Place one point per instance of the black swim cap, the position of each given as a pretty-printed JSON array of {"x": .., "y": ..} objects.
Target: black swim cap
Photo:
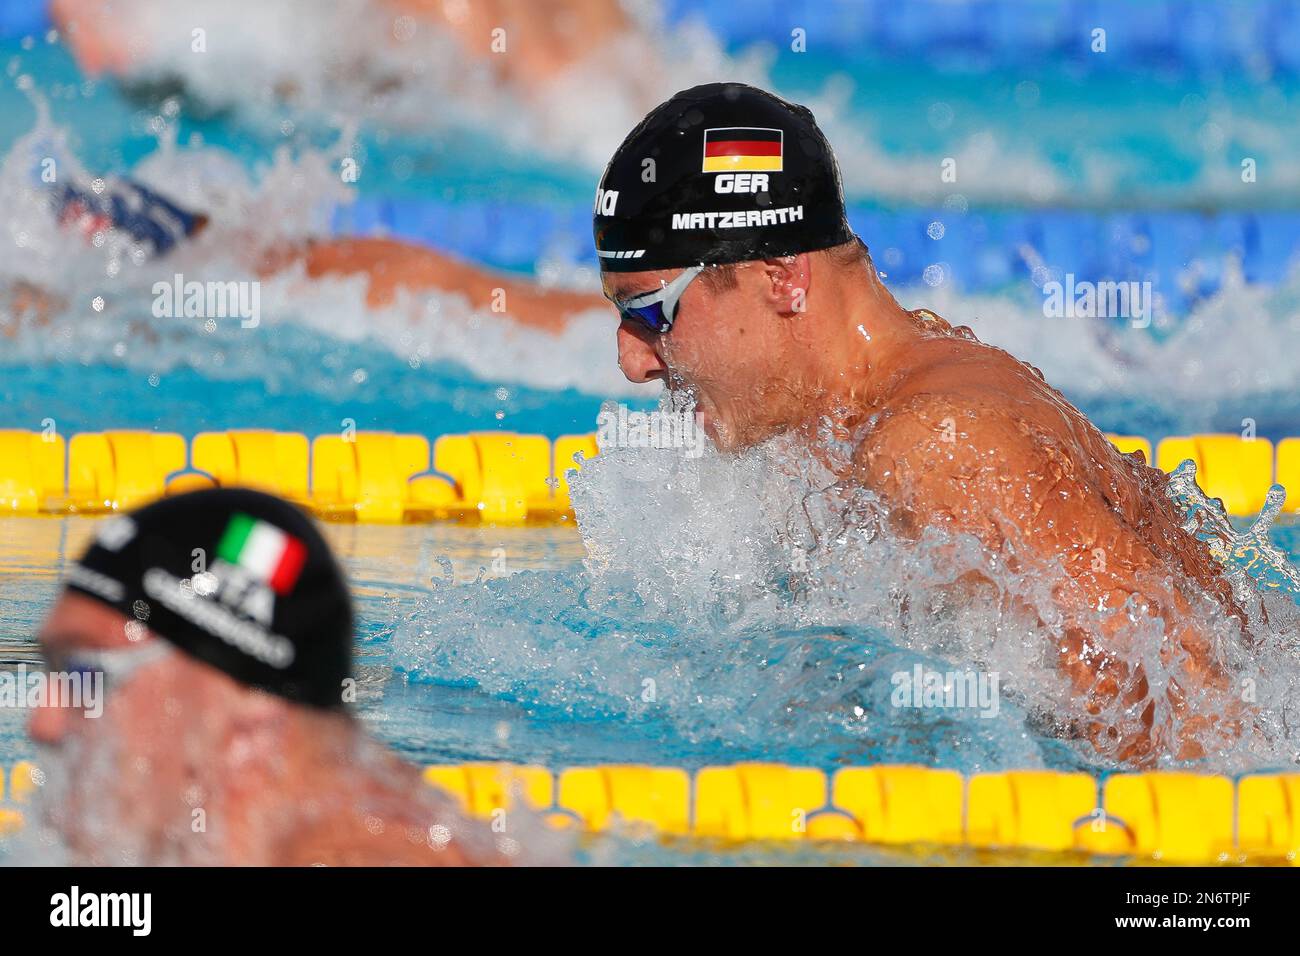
[
  {"x": 720, "y": 173},
  {"x": 238, "y": 579}
]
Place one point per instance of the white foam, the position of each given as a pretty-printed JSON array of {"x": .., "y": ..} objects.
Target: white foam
[
  {"x": 1229, "y": 340},
  {"x": 351, "y": 60},
  {"x": 289, "y": 198},
  {"x": 767, "y": 606}
]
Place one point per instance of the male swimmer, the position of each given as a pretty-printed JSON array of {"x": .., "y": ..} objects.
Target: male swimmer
[
  {"x": 544, "y": 41},
  {"x": 738, "y": 281},
  {"x": 158, "y": 226},
  {"x": 222, "y": 626}
]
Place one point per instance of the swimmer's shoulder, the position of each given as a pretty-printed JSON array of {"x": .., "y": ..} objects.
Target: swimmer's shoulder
[
  {"x": 955, "y": 415},
  {"x": 940, "y": 344},
  {"x": 954, "y": 384},
  {"x": 960, "y": 372}
]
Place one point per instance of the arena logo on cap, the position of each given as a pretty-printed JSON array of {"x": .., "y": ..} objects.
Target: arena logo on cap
[
  {"x": 743, "y": 148},
  {"x": 264, "y": 551}
]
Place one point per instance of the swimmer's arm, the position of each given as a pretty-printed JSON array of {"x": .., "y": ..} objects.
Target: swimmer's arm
[
  {"x": 391, "y": 265},
  {"x": 985, "y": 477},
  {"x": 27, "y": 306}
]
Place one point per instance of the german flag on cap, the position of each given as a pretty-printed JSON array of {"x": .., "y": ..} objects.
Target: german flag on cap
[{"x": 742, "y": 149}]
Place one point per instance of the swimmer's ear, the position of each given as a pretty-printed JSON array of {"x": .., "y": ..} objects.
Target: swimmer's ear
[{"x": 789, "y": 279}]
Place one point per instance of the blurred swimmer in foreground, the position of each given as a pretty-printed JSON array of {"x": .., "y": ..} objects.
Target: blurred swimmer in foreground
[
  {"x": 158, "y": 226},
  {"x": 739, "y": 283},
  {"x": 218, "y": 628}
]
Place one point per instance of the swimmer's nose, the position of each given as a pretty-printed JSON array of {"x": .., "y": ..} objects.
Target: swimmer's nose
[
  {"x": 637, "y": 355},
  {"x": 48, "y": 724}
]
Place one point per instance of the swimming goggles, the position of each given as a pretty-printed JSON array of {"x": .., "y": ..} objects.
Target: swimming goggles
[
  {"x": 657, "y": 310},
  {"x": 117, "y": 665}
]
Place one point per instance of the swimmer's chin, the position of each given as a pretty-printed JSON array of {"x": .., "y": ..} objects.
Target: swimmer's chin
[
  {"x": 724, "y": 437},
  {"x": 728, "y": 436},
  {"x": 720, "y": 435},
  {"x": 708, "y": 424}
]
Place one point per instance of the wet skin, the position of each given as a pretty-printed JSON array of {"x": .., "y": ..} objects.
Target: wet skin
[
  {"x": 278, "y": 784},
  {"x": 392, "y": 266},
  {"x": 957, "y": 434}
]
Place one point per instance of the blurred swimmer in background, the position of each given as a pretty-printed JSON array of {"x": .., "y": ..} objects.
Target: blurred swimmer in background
[
  {"x": 157, "y": 227},
  {"x": 351, "y": 60},
  {"x": 352, "y": 53}
]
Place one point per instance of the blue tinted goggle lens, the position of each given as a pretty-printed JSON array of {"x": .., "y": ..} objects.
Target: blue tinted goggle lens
[
  {"x": 656, "y": 310},
  {"x": 651, "y": 316}
]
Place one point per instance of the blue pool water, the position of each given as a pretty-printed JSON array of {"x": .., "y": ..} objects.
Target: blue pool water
[
  {"x": 530, "y": 663},
  {"x": 1053, "y": 175},
  {"x": 1127, "y": 167}
]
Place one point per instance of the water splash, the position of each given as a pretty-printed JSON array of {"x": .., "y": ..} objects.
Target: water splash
[
  {"x": 1151, "y": 381},
  {"x": 760, "y": 606},
  {"x": 1256, "y": 568},
  {"x": 1164, "y": 144},
  {"x": 1146, "y": 381},
  {"x": 357, "y": 59},
  {"x": 288, "y": 199}
]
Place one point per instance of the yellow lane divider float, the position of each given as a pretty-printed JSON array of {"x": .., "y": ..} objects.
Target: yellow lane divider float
[
  {"x": 1171, "y": 817},
  {"x": 494, "y": 477},
  {"x": 1168, "y": 816},
  {"x": 21, "y": 786}
]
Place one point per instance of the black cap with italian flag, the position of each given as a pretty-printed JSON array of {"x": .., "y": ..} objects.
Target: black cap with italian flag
[{"x": 239, "y": 579}]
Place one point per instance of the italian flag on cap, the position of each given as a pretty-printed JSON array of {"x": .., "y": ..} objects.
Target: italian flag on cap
[{"x": 263, "y": 550}]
